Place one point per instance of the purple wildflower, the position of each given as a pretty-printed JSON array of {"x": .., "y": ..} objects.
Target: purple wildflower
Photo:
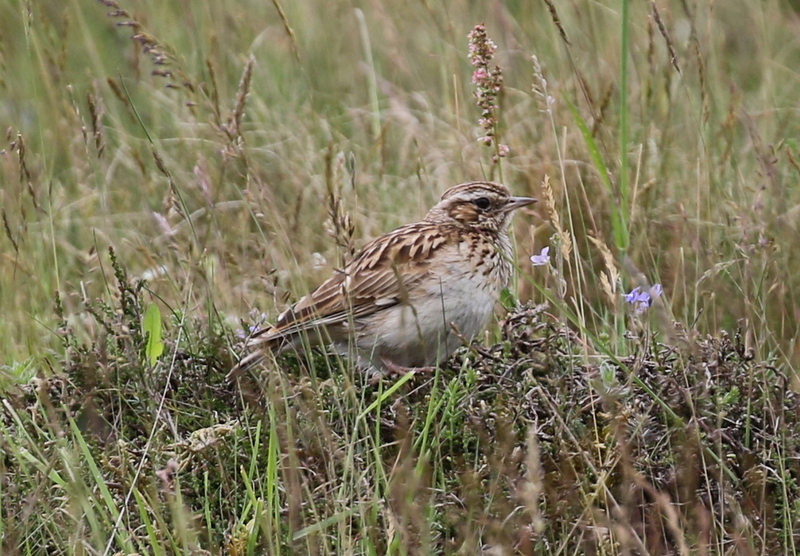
[
  {"x": 656, "y": 291},
  {"x": 542, "y": 258},
  {"x": 250, "y": 329},
  {"x": 640, "y": 299}
]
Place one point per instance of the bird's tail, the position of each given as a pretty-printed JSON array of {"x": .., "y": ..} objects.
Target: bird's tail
[
  {"x": 257, "y": 347},
  {"x": 246, "y": 363}
]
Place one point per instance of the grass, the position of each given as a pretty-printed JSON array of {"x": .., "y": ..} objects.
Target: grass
[{"x": 171, "y": 171}]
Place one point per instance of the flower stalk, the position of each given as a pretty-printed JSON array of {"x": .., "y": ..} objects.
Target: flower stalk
[{"x": 488, "y": 82}]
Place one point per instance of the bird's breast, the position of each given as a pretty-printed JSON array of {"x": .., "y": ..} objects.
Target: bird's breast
[{"x": 460, "y": 290}]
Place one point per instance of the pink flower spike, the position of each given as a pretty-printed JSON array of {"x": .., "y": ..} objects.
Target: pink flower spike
[{"x": 479, "y": 75}]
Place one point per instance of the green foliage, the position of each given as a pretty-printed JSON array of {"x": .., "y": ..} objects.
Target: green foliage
[{"x": 152, "y": 329}]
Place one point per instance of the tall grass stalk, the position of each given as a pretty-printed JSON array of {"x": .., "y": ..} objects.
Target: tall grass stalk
[{"x": 623, "y": 198}]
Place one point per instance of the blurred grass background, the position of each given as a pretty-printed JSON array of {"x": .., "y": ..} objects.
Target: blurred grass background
[
  {"x": 210, "y": 142},
  {"x": 711, "y": 157}
]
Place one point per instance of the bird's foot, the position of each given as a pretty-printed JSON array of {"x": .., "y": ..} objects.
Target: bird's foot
[{"x": 393, "y": 370}]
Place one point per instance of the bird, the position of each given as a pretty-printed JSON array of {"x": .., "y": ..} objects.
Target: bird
[{"x": 409, "y": 298}]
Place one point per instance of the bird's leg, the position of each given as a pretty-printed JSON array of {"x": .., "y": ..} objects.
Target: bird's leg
[{"x": 392, "y": 369}]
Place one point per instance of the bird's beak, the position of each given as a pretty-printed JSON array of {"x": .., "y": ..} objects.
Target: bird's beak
[{"x": 515, "y": 203}]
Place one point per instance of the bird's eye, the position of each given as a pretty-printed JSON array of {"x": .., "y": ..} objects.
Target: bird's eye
[{"x": 482, "y": 203}]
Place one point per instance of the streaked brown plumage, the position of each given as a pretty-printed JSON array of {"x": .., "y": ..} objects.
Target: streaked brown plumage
[{"x": 392, "y": 306}]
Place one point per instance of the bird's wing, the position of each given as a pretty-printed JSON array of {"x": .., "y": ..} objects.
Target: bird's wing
[{"x": 378, "y": 277}]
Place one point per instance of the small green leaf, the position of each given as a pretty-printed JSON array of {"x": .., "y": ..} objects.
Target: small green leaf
[
  {"x": 152, "y": 328},
  {"x": 731, "y": 397},
  {"x": 507, "y": 299}
]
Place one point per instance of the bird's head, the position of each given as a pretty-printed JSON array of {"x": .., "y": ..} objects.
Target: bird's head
[{"x": 478, "y": 204}]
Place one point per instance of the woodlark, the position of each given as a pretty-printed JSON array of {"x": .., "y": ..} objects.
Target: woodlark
[{"x": 399, "y": 302}]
